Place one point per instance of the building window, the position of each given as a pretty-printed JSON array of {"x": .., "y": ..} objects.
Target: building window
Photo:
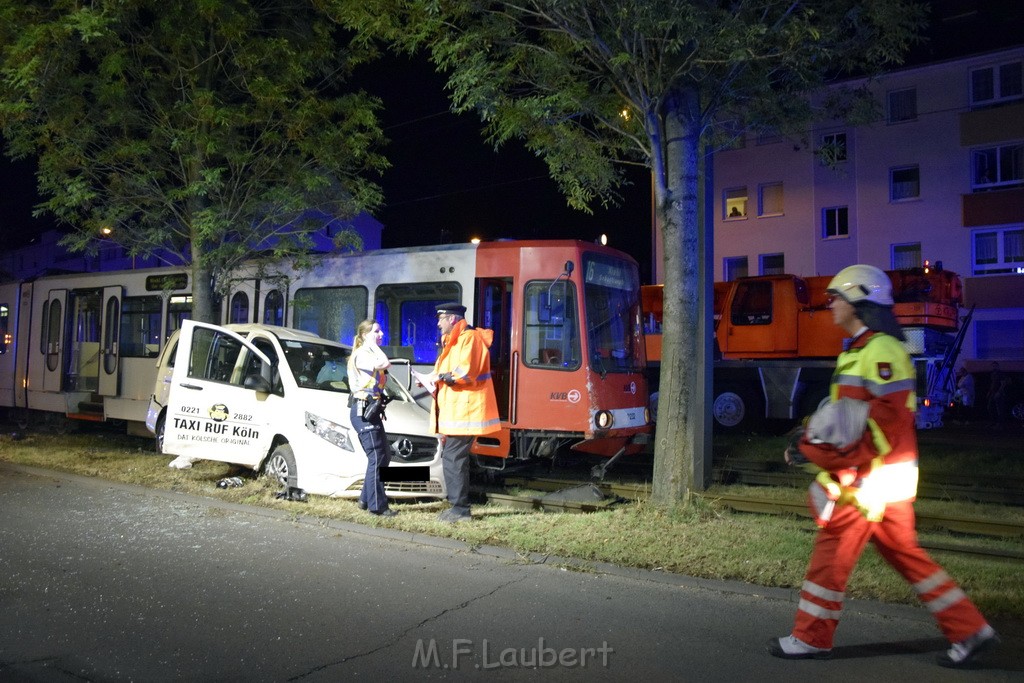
[
  {"x": 773, "y": 264},
  {"x": 999, "y": 251},
  {"x": 833, "y": 148},
  {"x": 996, "y": 84},
  {"x": 906, "y": 256},
  {"x": 735, "y": 267},
  {"x": 904, "y": 183},
  {"x": 903, "y": 105},
  {"x": 769, "y": 199},
  {"x": 735, "y": 203},
  {"x": 835, "y": 222},
  {"x": 998, "y": 166}
]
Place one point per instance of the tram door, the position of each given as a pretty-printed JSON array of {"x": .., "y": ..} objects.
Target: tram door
[
  {"x": 110, "y": 348},
  {"x": 494, "y": 312},
  {"x": 53, "y": 338},
  {"x": 83, "y": 335}
]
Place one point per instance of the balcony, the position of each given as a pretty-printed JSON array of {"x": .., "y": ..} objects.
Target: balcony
[
  {"x": 987, "y": 126},
  {"x": 997, "y": 207}
]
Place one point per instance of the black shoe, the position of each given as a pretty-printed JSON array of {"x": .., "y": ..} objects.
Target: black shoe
[
  {"x": 362, "y": 505},
  {"x": 451, "y": 516},
  {"x": 386, "y": 512},
  {"x": 798, "y": 649}
]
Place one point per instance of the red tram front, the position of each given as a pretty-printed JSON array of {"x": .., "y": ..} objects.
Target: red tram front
[{"x": 568, "y": 357}]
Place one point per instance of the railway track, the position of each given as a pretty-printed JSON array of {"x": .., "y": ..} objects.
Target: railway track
[
  {"x": 590, "y": 497},
  {"x": 978, "y": 489}
]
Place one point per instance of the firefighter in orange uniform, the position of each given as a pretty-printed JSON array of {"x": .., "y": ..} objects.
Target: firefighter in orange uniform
[
  {"x": 464, "y": 402},
  {"x": 867, "y": 480}
]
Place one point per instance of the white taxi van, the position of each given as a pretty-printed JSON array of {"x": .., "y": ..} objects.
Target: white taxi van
[{"x": 275, "y": 399}]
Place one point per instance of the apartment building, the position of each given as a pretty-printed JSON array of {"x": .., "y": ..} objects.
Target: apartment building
[{"x": 939, "y": 178}]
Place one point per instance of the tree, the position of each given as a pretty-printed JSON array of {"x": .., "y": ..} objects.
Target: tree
[
  {"x": 206, "y": 127},
  {"x": 591, "y": 85}
]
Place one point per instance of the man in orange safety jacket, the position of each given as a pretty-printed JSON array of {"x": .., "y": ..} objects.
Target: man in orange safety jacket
[
  {"x": 867, "y": 480},
  {"x": 464, "y": 402}
]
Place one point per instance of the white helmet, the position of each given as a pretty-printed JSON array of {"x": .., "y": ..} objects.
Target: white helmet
[{"x": 862, "y": 283}]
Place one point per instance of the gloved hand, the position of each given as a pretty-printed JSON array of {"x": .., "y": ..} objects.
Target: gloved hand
[{"x": 792, "y": 453}]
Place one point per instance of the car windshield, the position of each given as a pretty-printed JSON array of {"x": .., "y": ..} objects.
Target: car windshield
[{"x": 325, "y": 367}]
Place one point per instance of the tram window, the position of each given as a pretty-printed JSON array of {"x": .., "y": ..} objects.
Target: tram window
[
  {"x": 140, "y": 326},
  {"x": 239, "y": 308},
  {"x": 612, "y": 302},
  {"x": 330, "y": 312},
  {"x": 53, "y": 334},
  {"x": 5, "y": 337},
  {"x": 110, "y": 341},
  {"x": 44, "y": 333},
  {"x": 273, "y": 308},
  {"x": 179, "y": 308},
  {"x": 407, "y": 314},
  {"x": 551, "y": 336}
]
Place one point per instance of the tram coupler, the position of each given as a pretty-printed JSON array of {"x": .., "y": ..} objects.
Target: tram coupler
[{"x": 599, "y": 471}]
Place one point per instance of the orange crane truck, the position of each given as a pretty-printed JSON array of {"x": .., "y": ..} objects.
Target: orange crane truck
[{"x": 776, "y": 345}]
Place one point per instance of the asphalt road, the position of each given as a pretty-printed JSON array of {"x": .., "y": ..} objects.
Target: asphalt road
[{"x": 110, "y": 582}]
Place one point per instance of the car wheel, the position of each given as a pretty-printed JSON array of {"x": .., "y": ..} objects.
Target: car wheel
[
  {"x": 280, "y": 466},
  {"x": 735, "y": 410},
  {"x": 161, "y": 430}
]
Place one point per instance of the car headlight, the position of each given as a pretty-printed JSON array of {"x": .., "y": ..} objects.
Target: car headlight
[{"x": 331, "y": 432}]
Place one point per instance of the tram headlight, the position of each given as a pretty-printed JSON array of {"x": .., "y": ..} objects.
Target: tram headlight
[{"x": 603, "y": 419}]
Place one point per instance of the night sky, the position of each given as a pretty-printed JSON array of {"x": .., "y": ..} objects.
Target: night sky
[{"x": 448, "y": 183}]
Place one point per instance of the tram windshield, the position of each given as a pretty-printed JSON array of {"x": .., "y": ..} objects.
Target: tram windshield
[{"x": 612, "y": 303}]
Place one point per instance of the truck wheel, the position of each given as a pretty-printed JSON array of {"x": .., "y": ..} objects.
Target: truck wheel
[
  {"x": 280, "y": 466},
  {"x": 735, "y": 410},
  {"x": 161, "y": 428}
]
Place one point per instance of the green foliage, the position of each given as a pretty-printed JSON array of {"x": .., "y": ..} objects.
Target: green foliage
[{"x": 206, "y": 127}]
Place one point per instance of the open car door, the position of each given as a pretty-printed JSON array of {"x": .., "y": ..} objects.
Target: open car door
[{"x": 217, "y": 404}]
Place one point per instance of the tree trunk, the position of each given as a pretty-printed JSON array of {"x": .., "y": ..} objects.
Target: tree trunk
[
  {"x": 680, "y": 407},
  {"x": 203, "y": 299}
]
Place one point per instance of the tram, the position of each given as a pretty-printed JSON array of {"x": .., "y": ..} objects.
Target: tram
[{"x": 568, "y": 355}]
